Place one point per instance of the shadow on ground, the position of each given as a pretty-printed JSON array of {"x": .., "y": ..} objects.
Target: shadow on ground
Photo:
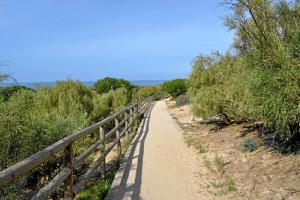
[{"x": 127, "y": 182}]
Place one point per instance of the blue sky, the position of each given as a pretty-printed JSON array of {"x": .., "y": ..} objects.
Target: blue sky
[{"x": 48, "y": 40}]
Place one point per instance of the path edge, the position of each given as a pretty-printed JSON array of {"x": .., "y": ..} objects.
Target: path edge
[{"x": 116, "y": 184}]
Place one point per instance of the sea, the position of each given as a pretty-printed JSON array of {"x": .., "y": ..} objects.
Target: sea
[{"x": 87, "y": 83}]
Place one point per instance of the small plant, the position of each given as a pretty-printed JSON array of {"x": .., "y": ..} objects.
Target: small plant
[
  {"x": 196, "y": 144},
  {"x": 219, "y": 164},
  {"x": 226, "y": 186},
  {"x": 182, "y": 100},
  {"x": 207, "y": 163},
  {"x": 229, "y": 184},
  {"x": 268, "y": 177},
  {"x": 249, "y": 144},
  {"x": 97, "y": 190}
]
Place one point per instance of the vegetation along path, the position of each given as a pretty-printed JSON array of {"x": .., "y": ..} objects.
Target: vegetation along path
[{"x": 159, "y": 164}]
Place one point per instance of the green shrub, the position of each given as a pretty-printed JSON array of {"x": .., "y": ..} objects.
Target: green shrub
[
  {"x": 14, "y": 120},
  {"x": 217, "y": 87},
  {"x": 65, "y": 97},
  {"x": 14, "y": 190},
  {"x": 7, "y": 92},
  {"x": 145, "y": 91},
  {"x": 43, "y": 117},
  {"x": 175, "y": 87},
  {"x": 182, "y": 100},
  {"x": 249, "y": 144},
  {"x": 160, "y": 95},
  {"x": 102, "y": 107},
  {"x": 118, "y": 99},
  {"x": 111, "y": 84},
  {"x": 25, "y": 121},
  {"x": 268, "y": 37},
  {"x": 108, "y": 83}
]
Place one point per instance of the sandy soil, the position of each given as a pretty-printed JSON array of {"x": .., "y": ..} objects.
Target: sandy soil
[
  {"x": 171, "y": 169},
  {"x": 160, "y": 165},
  {"x": 232, "y": 174}
]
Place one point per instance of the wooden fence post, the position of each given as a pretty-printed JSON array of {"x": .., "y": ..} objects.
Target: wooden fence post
[
  {"x": 69, "y": 163},
  {"x": 131, "y": 120},
  {"x": 119, "y": 150},
  {"x": 136, "y": 116},
  {"x": 102, "y": 151},
  {"x": 126, "y": 125}
]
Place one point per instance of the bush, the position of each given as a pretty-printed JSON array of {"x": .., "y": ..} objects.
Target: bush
[
  {"x": 160, "y": 95},
  {"x": 108, "y": 83},
  {"x": 175, "y": 87},
  {"x": 25, "y": 121},
  {"x": 118, "y": 99},
  {"x": 217, "y": 87},
  {"x": 65, "y": 97},
  {"x": 268, "y": 37},
  {"x": 33, "y": 120},
  {"x": 111, "y": 84},
  {"x": 182, "y": 100},
  {"x": 14, "y": 122},
  {"x": 145, "y": 91},
  {"x": 102, "y": 107},
  {"x": 249, "y": 144},
  {"x": 7, "y": 92}
]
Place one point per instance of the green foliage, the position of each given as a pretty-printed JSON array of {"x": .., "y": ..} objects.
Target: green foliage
[
  {"x": 107, "y": 84},
  {"x": 7, "y": 92},
  {"x": 182, "y": 100},
  {"x": 97, "y": 190},
  {"x": 160, "y": 95},
  {"x": 111, "y": 84},
  {"x": 175, "y": 87},
  {"x": 109, "y": 103},
  {"x": 249, "y": 144},
  {"x": 219, "y": 164},
  {"x": 145, "y": 91},
  {"x": 48, "y": 114},
  {"x": 102, "y": 107},
  {"x": 25, "y": 121},
  {"x": 267, "y": 36},
  {"x": 261, "y": 81},
  {"x": 196, "y": 144},
  {"x": 13, "y": 191},
  {"x": 217, "y": 87},
  {"x": 44, "y": 116},
  {"x": 118, "y": 99},
  {"x": 65, "y": 97},
  {"x": 14, "y": 120}
]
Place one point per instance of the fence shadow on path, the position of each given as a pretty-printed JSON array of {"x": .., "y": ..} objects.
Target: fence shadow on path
[{"x": 127, "y": 182}]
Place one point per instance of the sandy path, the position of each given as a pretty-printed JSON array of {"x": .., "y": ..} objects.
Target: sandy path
[{"x": 159, "y": 165}]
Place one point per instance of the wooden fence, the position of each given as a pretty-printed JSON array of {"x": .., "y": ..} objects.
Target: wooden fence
[{"x": 124, "y": 120}]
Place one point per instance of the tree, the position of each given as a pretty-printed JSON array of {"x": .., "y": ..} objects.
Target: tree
[
  {"x": 5, "y": 76},
  {"x": 175, "y": 87},
  {"x": 7, "y": 92},
  {"x": 268, "y": 37},
  {"x": 105, "y": 85},
  {"x": 217, "y": 87}
]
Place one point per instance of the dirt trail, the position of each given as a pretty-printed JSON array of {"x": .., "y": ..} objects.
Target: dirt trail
[{"x": 159, "y": 165}]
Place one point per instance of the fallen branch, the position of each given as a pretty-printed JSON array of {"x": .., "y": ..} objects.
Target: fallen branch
[
  {"x": 248, "y": 128},
  {"x": 213, "y": 121}
]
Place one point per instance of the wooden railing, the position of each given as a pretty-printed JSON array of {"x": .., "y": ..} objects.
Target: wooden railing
[{"x": 66, "y": 175}]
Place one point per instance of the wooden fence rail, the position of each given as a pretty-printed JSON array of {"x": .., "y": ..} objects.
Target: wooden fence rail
[{"x": 66, "y": 174}]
